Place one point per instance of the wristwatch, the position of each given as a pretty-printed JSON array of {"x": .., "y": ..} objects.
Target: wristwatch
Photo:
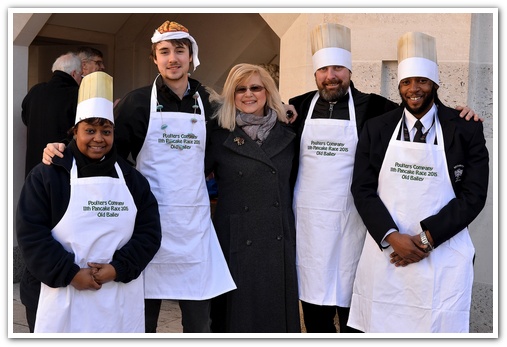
[{"x": 424, "y": 241}]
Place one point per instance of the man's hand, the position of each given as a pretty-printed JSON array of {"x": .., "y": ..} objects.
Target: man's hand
[
  {"x": 51, "y": 150},
  {"x": 468, "y": 113},
  {"x": 407, "y": 249},
  {"x": 290, "y": 113}
]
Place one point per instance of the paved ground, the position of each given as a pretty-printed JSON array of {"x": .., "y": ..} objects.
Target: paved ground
[
  {"x": 170, "y": 315},
  {"x": 169, "y": 319}
]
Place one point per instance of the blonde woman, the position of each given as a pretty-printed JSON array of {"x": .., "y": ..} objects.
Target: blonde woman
[{"x": 250, "y": 150}]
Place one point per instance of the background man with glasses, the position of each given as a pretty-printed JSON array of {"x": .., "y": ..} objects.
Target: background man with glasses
[{"x": 91, "y": 60}]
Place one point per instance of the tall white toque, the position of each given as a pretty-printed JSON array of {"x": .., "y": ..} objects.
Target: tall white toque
[
  {"x": 417, "y": 56},
  {"x": 172, "y": 31},
  {"x": 331, "y": 46},
  {"x": 95, "y": 98}
]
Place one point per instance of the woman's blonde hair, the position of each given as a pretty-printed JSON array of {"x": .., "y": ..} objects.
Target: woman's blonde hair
[{"x": 226, "y": 111}]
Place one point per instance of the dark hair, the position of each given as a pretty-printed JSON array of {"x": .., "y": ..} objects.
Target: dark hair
[
  {"x": 92, "y": 121},
  {"x": 86, "y": 52},
  {"x": 176, "y": 43}
]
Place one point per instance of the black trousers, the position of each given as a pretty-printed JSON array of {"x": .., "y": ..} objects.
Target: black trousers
[
  {"x": 195, "y": 315},
  {"x": 320, "y": 319},
  {"x": 30, "y": 318}
]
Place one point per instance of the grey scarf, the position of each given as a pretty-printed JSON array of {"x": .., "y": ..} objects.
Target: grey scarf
[{"x": 256, "y": 127}]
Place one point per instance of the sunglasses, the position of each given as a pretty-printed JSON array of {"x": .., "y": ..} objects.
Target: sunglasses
[{"x": 253, "y": 89}]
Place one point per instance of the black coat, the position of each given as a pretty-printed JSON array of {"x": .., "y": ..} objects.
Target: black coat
[
  {"x": 42, "y": 204},
  {"x": 467, "y": 163},
  {"x": 48, "y": 111},
  {"x": 255, "y": 226}
]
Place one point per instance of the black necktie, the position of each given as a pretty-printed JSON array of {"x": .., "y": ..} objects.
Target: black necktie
[{"x": 417, "y": 137}]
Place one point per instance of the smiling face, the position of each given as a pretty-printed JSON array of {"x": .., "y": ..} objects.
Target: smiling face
[
  {"x": 418, "y": 94},
  {"x": 172, "y": 60},
  {"x": 248, "y": 101},
  {"x": 332, "y": 81},
  {"x": 94, "y": 140}
]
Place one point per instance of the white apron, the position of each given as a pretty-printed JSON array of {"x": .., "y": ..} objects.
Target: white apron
[
  {"x": 99, "y": 220},
  {"x": 190, "y": 264},
  {"x": 330, "y": 233},
  {"x": 434, "y": 294}
]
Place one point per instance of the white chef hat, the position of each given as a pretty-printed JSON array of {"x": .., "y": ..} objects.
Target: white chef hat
[
  {"x": 331, "y": 46},
  {"x": 95, "y": 98},
  {"x": 172, "y": 31},
  {"x": 417, "y": 56}
]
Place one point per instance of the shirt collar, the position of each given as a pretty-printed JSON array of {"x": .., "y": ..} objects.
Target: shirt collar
[
  {"x": 426, "y": 120},
  {"x": 188, "y": 90}
]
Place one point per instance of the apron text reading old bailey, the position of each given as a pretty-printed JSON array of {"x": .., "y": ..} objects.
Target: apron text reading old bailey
[
  {"x": 109, "y": 208},
  {"x": 413, "y": 172}
]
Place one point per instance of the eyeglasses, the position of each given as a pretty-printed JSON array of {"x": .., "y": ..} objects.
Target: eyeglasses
[
  {"x": 253, "y": 89},
  {"x": 98, "y": 62}
]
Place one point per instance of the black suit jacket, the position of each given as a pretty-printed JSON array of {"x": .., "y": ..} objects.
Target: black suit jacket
[{"x": 467, "y": 163}]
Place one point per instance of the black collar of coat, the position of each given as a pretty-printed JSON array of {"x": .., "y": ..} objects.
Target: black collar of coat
[{"x": 279, "y": 138}]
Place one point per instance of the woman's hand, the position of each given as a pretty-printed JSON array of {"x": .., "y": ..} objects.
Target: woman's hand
[
  {"x": 102, "y": 273},
  {"x": 83, "y": 280}
]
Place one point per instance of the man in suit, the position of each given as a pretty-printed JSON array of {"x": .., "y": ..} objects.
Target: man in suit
[
  {"x": 91, "y": 59},
  {"x": 417, "y": 190}
]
